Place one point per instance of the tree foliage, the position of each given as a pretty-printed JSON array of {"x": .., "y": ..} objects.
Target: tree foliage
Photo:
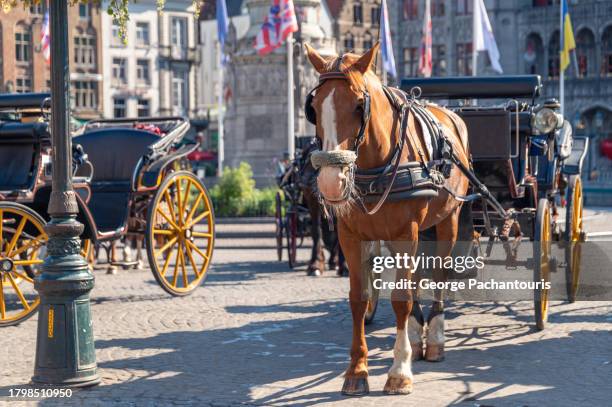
[{"x": 117, "y": 9}]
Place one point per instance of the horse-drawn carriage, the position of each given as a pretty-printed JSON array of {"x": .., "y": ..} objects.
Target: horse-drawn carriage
[
  {"x": 526, "y": 163},
  {"x": 129, "y": 181}
]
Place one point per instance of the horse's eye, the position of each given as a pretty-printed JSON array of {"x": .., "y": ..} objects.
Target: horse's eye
[{"x": 359, "y": 108}]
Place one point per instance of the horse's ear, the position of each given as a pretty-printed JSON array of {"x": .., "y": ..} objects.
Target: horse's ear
[
  {"x": 367, "y": 60},
  {"x": 317, "y": 61}
]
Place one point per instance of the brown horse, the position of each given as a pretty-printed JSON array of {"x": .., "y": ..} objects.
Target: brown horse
[{"x": 347, "y": 89}]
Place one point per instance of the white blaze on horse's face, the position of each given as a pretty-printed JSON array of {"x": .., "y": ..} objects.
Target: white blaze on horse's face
[
  {"x": 331, "y": 179},
  {"x": 329, "y": 123}
]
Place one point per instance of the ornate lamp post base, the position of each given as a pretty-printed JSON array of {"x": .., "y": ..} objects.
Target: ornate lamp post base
[{"x": 65, "y": 353}]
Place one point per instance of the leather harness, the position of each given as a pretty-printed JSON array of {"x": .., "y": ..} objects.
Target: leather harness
[{"x": 398, "y": 181}]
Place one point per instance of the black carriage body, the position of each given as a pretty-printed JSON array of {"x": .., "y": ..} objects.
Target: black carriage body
[{"x": 515, "y": 162}]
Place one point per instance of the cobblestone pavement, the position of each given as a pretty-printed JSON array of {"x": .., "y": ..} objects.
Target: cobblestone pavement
[{"x": 259, "y": 334}]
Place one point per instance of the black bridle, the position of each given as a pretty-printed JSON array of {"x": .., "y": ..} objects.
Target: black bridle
[
  {"x": 402, "y": 107},
  {"x": 366, "y": 113}
]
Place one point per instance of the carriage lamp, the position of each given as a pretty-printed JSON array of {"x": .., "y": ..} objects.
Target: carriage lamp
[
  {"x": 6, "y": 265},
  {"x": 546, "y": 120}
]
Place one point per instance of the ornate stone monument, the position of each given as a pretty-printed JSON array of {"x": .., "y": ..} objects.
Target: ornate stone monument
[{"x": 256, "y": 120}]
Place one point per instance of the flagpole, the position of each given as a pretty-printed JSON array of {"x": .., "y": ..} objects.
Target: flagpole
[
  {"x": 474, "y": 28},
  {"x": 290, "y": 99},
  {"x": 221, "y": 144},
  {"x": 561, "y": 71}
]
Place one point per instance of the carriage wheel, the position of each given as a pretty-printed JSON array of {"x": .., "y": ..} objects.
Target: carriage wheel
[
  {"x": 22, "y": 242},
  {"x": 278, "y": 217},
  {"x": 180, "y": 233},
  {"x": 574, "y": 236},
  {"x": 291, "y": 227},
  {"x": 542, "y": 248}
]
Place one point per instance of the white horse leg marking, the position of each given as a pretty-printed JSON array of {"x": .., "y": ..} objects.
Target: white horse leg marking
[
  {"x": 435, "y": 330},
  {"x": 328, "y": 121},
  {"x": 402, "y": 355}
]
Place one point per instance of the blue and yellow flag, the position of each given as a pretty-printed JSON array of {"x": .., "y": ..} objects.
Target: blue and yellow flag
[{"x": 567, "y": 37}]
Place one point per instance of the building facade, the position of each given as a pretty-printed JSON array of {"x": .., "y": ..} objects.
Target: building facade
[
  {"x": 23, "y": 67},
  {"x": 153, "y": 70},
  {"x": 178, "y": 59},
  {"x": 527, "y": 34},
  {"x": 355, "y": 24},
  {"x": 256, "y": 121}
]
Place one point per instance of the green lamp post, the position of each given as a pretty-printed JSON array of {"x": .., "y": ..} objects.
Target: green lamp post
[{"x": 65, "y": 352}]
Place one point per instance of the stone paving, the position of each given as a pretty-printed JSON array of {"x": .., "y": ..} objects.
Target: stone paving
[{"x": 257, "y": 333}]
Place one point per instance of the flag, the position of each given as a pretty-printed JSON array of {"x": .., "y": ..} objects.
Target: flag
[
  {"x": 484, "y": 40},
  {"x": 425, "y": 54},
  {"x": 279, "y": 24},
  {"x": 45, "y": 38},
  {"x": 567, "y": 37},
  {"x": 387, "y": 43},
  {"x": 222, "y": 21}
]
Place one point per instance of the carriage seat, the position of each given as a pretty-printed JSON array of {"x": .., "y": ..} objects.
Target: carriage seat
[
  {"x": 114, "y": 154},
  {"x": 19, "y": 151}
]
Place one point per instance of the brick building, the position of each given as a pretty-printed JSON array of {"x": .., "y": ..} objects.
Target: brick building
[
  {"x": 23, "y": 67},
  {"x": 355, "y": 23}
]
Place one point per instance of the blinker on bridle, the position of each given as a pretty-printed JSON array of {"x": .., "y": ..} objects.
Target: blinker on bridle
[{"x": 337, "y": 73}]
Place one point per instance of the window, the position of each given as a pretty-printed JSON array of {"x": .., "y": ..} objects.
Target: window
[
  {"x": 84, "y": 11},
  {"x": 545, "y": 3},
  {"x": 144, "y": 109},
  {"x": 606, "y": 52},
  {"x": 437, "y": 8},
  {"x": 553, "y": 56},
  {"x": 585, "y": 52},
  {"x": 534, "y": 55},
  {"x": 37, "y": 9},
  {"x": 142, "y": 34},
  {"x": 119, "y": 70},
  {"x": 142, "y": 71},
  {"x": 23, "y": 84},
  {"x": 357, "y": 14},
  {"x": 410, "y": 9},
  {"x": 85, "y": 94},
  {"x": 411, "y": 61},
  {"x": 116, "y": 40},
  {"x": 85, "y": 49},
  {"x": 349, "y": 42},
  {"x": 179, "y": 32},
  {"x": 119, "y": 107},
  {"x": 464, "y": 7},
  {"x": 375, "y": 15},
  {"x": 464, "y": 59},
  {"x": 22, "y": 44},
  {"x": 439, "y": 60},
  {"x": 179, "y": 91},
  {"x": 367, "y": 42}
]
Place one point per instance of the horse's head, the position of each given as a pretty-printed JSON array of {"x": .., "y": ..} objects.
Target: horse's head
[{"x": 340, "y": 107}]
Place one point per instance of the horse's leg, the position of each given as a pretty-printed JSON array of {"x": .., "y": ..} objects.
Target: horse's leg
[
  {"x": 356, "y": 376},
  {"x": 446, "y": 236},
  {"x": 316, "y": 266},
  {"x": 399, "y": 380},
  {"x": 416, "y": 322}
]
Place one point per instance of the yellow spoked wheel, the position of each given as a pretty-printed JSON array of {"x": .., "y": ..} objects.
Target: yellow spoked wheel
[
  {"x": 574, "y": 236},
  {"x": 22, "y": 247},
  {"x": 180, "y": 233},
  {"x": 542, "y": 249}
]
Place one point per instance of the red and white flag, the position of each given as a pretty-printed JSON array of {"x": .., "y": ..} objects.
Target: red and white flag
[
  {"x": 425, "y": 54},
  {"x": 279, "y": 24},
  {"x": 45, "y": 38}
]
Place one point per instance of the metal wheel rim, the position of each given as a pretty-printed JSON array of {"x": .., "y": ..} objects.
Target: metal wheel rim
[
  {"x": 18, "y": 282},
  {"x": 175, "y": 216}
]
